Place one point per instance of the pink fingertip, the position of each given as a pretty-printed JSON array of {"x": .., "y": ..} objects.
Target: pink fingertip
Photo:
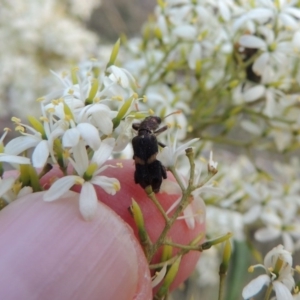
[{"x": 49, "y": 252}]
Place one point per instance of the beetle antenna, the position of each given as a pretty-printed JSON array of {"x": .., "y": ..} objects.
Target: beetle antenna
[{"x": 173, "y": 113}]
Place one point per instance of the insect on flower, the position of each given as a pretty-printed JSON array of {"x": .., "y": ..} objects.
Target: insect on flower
[{"x": 148, "y": 170}]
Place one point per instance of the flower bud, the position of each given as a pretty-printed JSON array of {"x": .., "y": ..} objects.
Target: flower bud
[
  {"x": 114, "y": 54},
  {"x": 169, "y": 278}
]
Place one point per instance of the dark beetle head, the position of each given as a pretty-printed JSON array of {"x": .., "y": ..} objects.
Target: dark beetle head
[{"x": 150, "y": 123}]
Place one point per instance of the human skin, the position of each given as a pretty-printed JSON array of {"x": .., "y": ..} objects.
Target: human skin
[
  {"x": 49, "y": 252},
  {"x": 154, "y": 221},
  {"x": 57, "y": 228}
]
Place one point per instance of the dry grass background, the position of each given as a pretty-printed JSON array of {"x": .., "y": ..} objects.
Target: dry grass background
[{"x": 115, "y": 17}]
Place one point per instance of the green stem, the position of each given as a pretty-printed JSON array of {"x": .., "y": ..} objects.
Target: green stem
[
  {"x": 190, "y": 154},
  {"x": 193, "y": 244},
  {"x": 184, "y": 247},
  {"x": 178, "y": 179},
  {"x": 152, "y": 196},
  {"x": 268, "y": 292},
  {"x": 182, "y": 205},
  {"x": 221, "y": 286}
]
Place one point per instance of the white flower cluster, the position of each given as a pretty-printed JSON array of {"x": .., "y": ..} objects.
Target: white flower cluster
[
  {"x": 260, "y": 200},
  {"x": 204, "y": 57},
  {"x": 39, "y": 36},
  {"x": 83, "y": 123},
  {"x": 80, "y": 125}
]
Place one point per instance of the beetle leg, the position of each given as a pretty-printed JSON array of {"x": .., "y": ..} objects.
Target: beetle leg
[
  {"x": 160, "y": 130},
  {"x": 163, "y": 171},
  {"x": 161, "y": 144},
  {"x": 136, "y": 126}
]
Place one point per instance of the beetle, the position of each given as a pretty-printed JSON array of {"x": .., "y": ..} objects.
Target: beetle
[{"x": 148, "y": 170}]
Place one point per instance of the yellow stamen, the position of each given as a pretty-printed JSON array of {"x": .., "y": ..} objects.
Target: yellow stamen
[
  {"x": 116, "y": 186},
  {"x": 251, "y": 269},
  {"x": 44, "y": 119},
  {"x": 40, "y": 99},
  {"x": 79, "y": 180},
  {"x": 55, "y": 101},
  {"x": 64, "y": 74},
  {"x": 117, "y": 97},
  {"x": 120, "y": 165},
  {"x": 20, "y": 128},
  {"x": 51, "y": 110},
  {"x": 16, "y": 120}
]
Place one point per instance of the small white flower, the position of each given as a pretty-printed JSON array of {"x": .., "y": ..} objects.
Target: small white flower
[
  {"x": 43, "y": 144},
  {"x": 272, "y": 96},
  {"x": 283, "y": 13},
  {"x": 278, "y": 266},
  {"x": 88, "y": 176},
  {"x": 195, "y": 211},
  {"x": 99, "y": 115},
  {"x": 274, "y": 53},
  {"x": 288, "y": 230},
  {"x": 122, "y": 77},
  {"x": 169, "y": 154}
]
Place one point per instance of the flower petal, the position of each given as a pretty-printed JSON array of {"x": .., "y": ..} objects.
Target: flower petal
[
  {"x": 81, "y": 158},
  {"x": 60, "y": 187},
  {"x": 20, "y": 144},
  {"x": 252, "y": 42},
  {"x": 40, "y": 154},
  {"x": 170, "y": 187},
  {"x": 110, "y": 185},
  {"x": 88, "y": 201},
  {"x": 288, "y": 242},
  {"x": 90, "y": 134},
  {"x": 278, "y": 251},
  {"x": 159, "y": 276},
  {"x": 187, "y": 32},
  {"x": 252, "y": 214},
  {"x": 180, "y": 150},
  {"x": 71, "y": 137},
  {"x": 189, "y": 217},
  {"x": 282, "y": 292},
  {"x": 261, "y": 63},
  {"x": 14, "y": 159},
  {"x": 254, "y": 286},
  {"x": 254, "y": 93},
  {"x": 195, "y": 56},
  {"x": 266, "y": 234},
  {"x": 6, "y": 184},
  {"x": 103, "y": 153},
  {"x": 103, "y": 121}
]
